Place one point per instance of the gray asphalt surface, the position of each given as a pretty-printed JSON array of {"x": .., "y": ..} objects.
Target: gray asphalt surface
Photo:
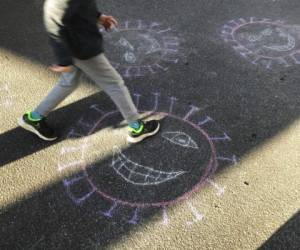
[{"x": 236, "y": 118}]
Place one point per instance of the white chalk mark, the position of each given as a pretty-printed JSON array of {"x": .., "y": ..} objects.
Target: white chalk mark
[
  {"x": 232, "y": 159},
  {"x": 191, "y": 112},
  {"x": 137, "y": 100},
  {"x": 137, "y": 174},
  {"x": 130, "y": 57},
  {"x": 198, "y": 216},
  {"x": 74, "y": 134},
  {"x": 125, "y": 43},
  {"x": 166, "y": 220},
  {"x": 126, "y": 25},
  {"x": 83, "y": 123},
  {"x": 69, "y": 150},
  {"x": 69, "y": 165},
  {"x": 296, "y": 57},
  {"x": 173, "y": 100},
  {"x": 156, "y": 99},
  {"x": 160, "y": 67},
  {"x": 163, "y": 31},
  {"x": 134, "y": 220},
  {"x": 220, "y": 190},
  {"x": 96, "y": 107},
  {"x": 181, "y": 139}
]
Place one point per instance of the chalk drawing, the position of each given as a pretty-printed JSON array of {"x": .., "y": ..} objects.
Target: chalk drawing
[
  {"x": 189, "y": 135},
  {"x": 197, "y": 215},
  {"x": 137, "y": 174},
  {"x": 181, "y": 139},
  {"x": 138, "y": 48},
  {"x": 220, "y": 190},
  {"x": 6, "y": 97},
  {"x": 263, "y": 41}
]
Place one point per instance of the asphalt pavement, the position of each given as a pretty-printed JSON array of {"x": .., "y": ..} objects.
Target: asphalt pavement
[{"x": 223, "y": 172}]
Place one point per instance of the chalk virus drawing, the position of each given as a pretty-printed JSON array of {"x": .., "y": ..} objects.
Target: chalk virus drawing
[
  {"x": 264, "y": 42},
  {"x": 139, "y": 48},
  {"x": 150, "y": 176}
]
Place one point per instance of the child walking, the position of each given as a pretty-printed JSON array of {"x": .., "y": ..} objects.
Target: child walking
[{"x": 72, "y": 26}]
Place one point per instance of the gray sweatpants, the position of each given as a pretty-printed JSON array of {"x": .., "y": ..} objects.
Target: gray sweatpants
[{"x": 104, "y": 75}]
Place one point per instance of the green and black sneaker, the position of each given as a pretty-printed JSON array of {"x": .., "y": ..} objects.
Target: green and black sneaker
[
  {"x": 145, "y": 130},
  {"x": 38, "y": 127}
]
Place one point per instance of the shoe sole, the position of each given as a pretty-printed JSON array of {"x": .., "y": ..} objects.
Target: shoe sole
[
  {"x": 142, "y": 137},
  {"x": 33, "y": 130}
]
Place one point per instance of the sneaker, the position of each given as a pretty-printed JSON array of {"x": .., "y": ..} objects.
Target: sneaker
[
  {"x": 38, "y": 127},
  {"x": 147, "y": 129}
]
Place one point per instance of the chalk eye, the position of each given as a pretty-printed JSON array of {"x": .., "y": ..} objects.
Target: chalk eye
[{"x": 181, "y": 139}]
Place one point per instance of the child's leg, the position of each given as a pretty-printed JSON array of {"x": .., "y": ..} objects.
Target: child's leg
[
  {"x": 100, "y": 70},
  {"x": 107, "y": 78},
  {"x": 65, "y": 86}
]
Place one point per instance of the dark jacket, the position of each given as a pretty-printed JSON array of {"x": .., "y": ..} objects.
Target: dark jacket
[{"x": 73, "y": 30}]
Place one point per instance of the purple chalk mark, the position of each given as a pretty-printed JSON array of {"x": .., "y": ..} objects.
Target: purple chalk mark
[
  {"x": 173, "y": 100},
  {"x": 206, "y": 120},
  {"x": 80, "y": 200},
  {"x": 225, "y": 137},
  {"x": 134, "y": 219},
  {"x": 110, "y": 211}
]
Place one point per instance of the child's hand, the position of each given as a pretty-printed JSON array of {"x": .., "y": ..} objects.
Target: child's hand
[
  {"x": 61, "y": 69},
  {"x": 108, "y": 22}
]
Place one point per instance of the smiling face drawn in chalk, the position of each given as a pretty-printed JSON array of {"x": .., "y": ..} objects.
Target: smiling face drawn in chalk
[
  {"x": 139, "y": 48},
  {"x": 267, "y": 40},
  {"x": 157, "y": 171},
  {"x": 137, "y": 174},
  {"x": 263, "y": 41}
]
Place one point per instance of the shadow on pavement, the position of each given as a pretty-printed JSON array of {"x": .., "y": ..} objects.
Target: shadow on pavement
[
  {"x": 18, "y": 143},
  {"x": 286, "y": 237}
]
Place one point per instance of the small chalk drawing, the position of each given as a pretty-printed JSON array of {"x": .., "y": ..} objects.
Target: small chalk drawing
[
  {"x": 155, "y": 174},
  {"x": 6, "y": 98},
  {"x": 271, "y": 44},
  {"x": 138, "y": 48}
]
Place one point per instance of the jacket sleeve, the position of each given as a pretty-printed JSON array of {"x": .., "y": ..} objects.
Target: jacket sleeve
[{"x": 61, "y": 52}]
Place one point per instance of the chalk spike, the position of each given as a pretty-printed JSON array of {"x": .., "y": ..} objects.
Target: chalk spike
[
  {"x": 77, "y": 200},
  {"x": 225, "y": 137},
  {"x": 233, "y": 159},
  {"x": 206, "y": 120},
  {"x": 69, "y": 165},
  {"x": 166, "y": 220},
  {"x": 109, "y": 213},
  {"x": 193, "y": 109},
  {"x": 134, "y": 220},
  {"x": 197, "y": 215},
  {"x": 220, "y": 190},
  {"x": 173, "y": 100}
]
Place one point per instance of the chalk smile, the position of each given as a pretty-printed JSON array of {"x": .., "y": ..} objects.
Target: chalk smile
[
  {"x": 291, "y": 42},
  {"x": 137, "y": 174}
]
